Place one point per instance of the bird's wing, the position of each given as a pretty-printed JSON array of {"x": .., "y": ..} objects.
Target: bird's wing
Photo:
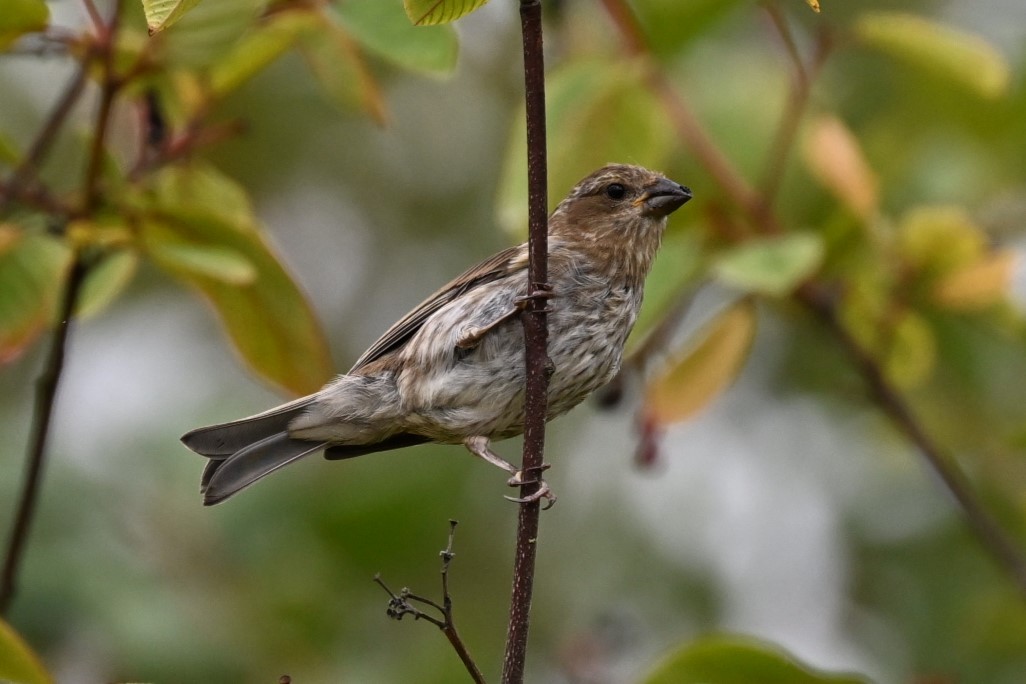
[{"x": 501, "y": 265}]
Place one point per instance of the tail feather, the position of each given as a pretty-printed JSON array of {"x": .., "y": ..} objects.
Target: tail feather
[
  {"x": 227, "y": 438},
  {"x": 224, "y": 477}
]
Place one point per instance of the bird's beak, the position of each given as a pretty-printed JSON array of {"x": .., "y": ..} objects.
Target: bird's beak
[{"x": 664, "y": 197}]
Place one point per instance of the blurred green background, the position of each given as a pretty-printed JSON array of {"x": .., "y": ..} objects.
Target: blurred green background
[{"x": 788, "y": 510}]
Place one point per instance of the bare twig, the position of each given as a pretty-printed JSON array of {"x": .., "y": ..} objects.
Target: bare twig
[
  {"x": 802, "y": 79},
  {"x": 50, "y": 379},
  {"x": 757, "y": 211},
  {"x": 987, "y": 529},
  {"x": 46, "y": 394},
  {"x": 25, "y": 174},
  {"x": 401, "y": 605},
  {"x": 535, "y": 343}
]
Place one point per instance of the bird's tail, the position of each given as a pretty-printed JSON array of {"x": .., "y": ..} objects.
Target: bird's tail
[{"x": 243, "y": 451}]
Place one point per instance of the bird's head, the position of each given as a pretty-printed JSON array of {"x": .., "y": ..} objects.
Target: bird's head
[{"x": 618, "y": 214}]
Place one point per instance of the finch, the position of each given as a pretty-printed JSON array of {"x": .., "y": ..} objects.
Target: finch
[{"x": 452, "y": 370}]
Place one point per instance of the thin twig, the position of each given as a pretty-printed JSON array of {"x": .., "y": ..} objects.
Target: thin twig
[
  {"x": 535, "y": 343},
  {"x": 801, "y": 87},
  {"x": 46, "y": 394},
  {"x": 29, "y": 166},
  {"x": 108, "y": 91},
  {"x": 50, "y": 379},
  {"x": 399, "y": 606},
  {"x": 988, "y": 530},
  {"x": 887, "y": 397}
]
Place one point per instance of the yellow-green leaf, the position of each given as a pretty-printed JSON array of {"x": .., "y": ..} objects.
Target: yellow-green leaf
[
  {"x": 31, "y": 270},
  {"x": 834, "y": 157},
  {"x": 383, "y": 28},
  {"x": 199, "y": 227},
  {"x": 258, "y": 48},
  {"x": 963, "y": 58},
  {"x": 18, "y": 662},
  {"x": 692, "y": 379},
  {"x": 909, "y": 350},
  {"x": 9, "y": 153},
  {"x": 105, "y": 281},
  {"x": 161, "y": 14},
  {"x": 341, "y": 69},
  {"x": 936, "y": 240},
  {"x": 209, "y": 32},
  {"x": 428, "y": 12},
  {"x": 771, "y": 265},
  {"x": 738, "y": 660},
  {"x": 814, "y": 4},
  {"x": 19, "y": 17},
  {"x": 199, "y": 260}
]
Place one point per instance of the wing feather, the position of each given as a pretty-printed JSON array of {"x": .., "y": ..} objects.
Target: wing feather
[{"x": 498, "y": 266}]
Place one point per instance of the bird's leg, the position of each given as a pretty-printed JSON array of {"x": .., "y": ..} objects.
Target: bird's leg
[
  {"x": 471, "y": 337},
  {"x": 481, "y": 447}
]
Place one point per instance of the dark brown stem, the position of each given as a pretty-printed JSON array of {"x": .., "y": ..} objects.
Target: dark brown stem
[
  {"x": 888, "y": 399},
  {"x": 46, "y": 394},
  {"x": 50, "y": 379},
  {"x": 399, "y": 606},
  {"x": 535, "y": 342}
]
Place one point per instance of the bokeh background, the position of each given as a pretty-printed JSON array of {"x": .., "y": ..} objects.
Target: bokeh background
[{"x": 788, "y": 509}]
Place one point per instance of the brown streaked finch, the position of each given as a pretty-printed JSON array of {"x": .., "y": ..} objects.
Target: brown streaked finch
[{"x": 452, "y": 370}]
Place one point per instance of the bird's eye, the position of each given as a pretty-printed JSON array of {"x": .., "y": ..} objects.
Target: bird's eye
[{"x": 615, "y": 191}]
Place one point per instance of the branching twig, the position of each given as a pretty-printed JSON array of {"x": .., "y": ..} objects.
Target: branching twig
[
  {"x": 399, "y": 606},
  {"x": 535, "y": 343},
  {"x": 803, "y": 78},
  {"x": 756, "y": 209},
  {"x": 50, "y": 379},
  {"x": 26, "y": 171},
  {"x": 46, "y": 394}
]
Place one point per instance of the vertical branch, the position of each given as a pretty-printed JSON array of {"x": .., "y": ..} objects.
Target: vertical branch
[
  {"x": 49, "y": 381},
  {"x": 46, "y": 394},
  {"x": 535, "y": 341}
]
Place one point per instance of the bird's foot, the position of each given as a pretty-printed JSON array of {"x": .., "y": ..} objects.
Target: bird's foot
[
  {"x": 540, "y": 292},
  {"x": 543, "y": 491}
]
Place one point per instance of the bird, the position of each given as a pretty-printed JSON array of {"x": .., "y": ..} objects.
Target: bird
[{"x": 452, "y": 370}]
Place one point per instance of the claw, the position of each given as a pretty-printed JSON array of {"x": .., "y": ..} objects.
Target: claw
[{"x": 544, "y": 491}]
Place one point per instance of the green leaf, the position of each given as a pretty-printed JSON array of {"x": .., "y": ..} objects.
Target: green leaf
[
  {"x": 258, "y": 48},
  {"x": 9, "y": 152},
  {"x": 19, "y": 17},
  {"x": 160, "y": 14},
  {"x": 738, "y": 660},
  {"x": 772, "y": 266},
  {"x": 31, "y": 270},
  {"x": 339, "y": 66},
  {"x": 671, "y": 25},
  {"x": 197, "y": 260},
  {"x": 692, "y": 379},
  {"x": 428, "y": 12},
  {"x": 213, "y": 246},
  {"x": 105, "y": 281},
  {"x": 18, "y": 663},
  {"x": 209, "y": 32},
  {"x": 963, "y": 58},
  {"x": 590, "y": 104},
  {"x": 383, "y": 28}
]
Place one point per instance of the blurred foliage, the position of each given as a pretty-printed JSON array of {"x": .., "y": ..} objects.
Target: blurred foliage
[{"x": 888, "y": 147}]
